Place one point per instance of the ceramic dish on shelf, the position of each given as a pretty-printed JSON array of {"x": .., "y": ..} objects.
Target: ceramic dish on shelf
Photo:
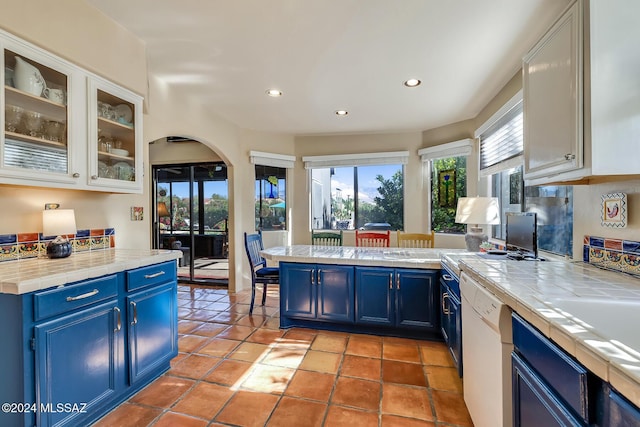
[
  {"x": 123, "y": 171},
  {"x": 119, "y": 152},
  {"x": 124, "y": 112}
]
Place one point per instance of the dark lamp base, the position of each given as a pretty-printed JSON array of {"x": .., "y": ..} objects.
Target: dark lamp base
[{"x": 59, "y": 250}]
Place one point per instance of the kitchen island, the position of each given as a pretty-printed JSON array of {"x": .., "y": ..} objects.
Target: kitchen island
[
  {"x": 386, "y": 291},
  {"x": 84, "y": 333}
]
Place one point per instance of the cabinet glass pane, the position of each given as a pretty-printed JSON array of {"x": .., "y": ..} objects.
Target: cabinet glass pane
[
  {"x": 116, "y": 138},
  {"x": 35, "y": 134}
]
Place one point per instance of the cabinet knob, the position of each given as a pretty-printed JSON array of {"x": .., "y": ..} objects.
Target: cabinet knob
[
  {"x": 76, "y": 175},
  {"x": 569, "y": 156},
  {"x": 94, "y": 177}
]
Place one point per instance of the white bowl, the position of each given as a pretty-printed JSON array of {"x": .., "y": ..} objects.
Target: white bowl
[{"x": 119, "y": 152}]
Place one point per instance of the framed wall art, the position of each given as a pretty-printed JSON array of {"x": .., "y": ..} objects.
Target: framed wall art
[{"x": 614, "y": 210}]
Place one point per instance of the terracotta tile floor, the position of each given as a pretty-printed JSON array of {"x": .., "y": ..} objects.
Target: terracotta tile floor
[{"x": 242, "y": 370}]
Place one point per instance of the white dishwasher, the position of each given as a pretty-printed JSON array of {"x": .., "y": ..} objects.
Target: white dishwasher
[{"x": 486, "y": 355}]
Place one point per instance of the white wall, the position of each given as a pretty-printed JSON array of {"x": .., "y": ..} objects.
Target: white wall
[{"x": 77, "y": 32}]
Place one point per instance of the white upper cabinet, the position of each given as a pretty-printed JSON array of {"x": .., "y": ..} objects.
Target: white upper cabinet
[
  {"x": 615, "y": 87},
  {"x": 552, "y": 94},
  {"x": 49, "y": 129},
  {"x": 581, "y": 122},
  {"x": 115, "y": 152}
]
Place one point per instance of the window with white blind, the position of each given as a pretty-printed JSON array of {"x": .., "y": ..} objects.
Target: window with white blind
[
  {"x": 501, "y": 147},
  {"x": 501, "y": 138}
]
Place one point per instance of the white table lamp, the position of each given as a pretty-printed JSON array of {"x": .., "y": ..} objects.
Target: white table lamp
[
  {"x": 477, "y": 211},
  {"x": 60, "y": 223}
]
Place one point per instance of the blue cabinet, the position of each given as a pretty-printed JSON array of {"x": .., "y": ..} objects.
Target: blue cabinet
[
  {"x": 397, "y": 297},
  {"x": 316, "y": 292},
  {"x": 619, "y": 412},
  {"x": 79, "y": 360},
  {"x": 535, "y": 403},
  {"x": 76, "y": 352},
  {"x": 152, "y": 315},
  {"x": 451, "y": 323}
]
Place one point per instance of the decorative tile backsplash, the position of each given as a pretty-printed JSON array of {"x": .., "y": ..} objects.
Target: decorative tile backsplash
[
  {"x": 612, "y": 254},
  {"x": 31, "y": 245}
]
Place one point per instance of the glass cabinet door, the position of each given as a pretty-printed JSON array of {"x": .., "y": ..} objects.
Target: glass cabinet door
[
  {"x": 35, "y": 119},
  {"x": 114, "y": 137}
]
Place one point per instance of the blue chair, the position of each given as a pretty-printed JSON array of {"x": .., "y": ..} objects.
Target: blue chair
[{"x": 260, "y": 273}]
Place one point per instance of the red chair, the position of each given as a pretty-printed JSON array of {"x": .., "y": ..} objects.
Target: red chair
[{"x": 373, "y": 238}]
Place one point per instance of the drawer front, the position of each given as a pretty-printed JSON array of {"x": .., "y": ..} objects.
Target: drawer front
[
  {"x": 151, "y": 275},
  {"x": 451, "y": 280},
  {"x": 564, "y": 375},
  {"x": 70, "y": 297}
]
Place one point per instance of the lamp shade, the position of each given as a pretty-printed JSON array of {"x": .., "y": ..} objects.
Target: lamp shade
[
  {"x": 58, "y": 222},
  {"x": 162, "y": 209},
  {"x": 478, "y": 210}
]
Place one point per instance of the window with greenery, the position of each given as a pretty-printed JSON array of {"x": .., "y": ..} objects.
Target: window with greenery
[
  {"x": 448, "y": 183},
  {"x": 369, "y": 197},
  {"x": 270, "y": 204}
]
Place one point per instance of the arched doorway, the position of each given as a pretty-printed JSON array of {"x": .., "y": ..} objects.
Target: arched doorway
[{"x": 191, "y": 201}]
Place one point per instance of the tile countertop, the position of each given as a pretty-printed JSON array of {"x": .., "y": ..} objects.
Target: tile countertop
[
  {"x": 591, "y": 313},
  {"x": 22, "y": 276},
  {"x": 350, "y": 255}
]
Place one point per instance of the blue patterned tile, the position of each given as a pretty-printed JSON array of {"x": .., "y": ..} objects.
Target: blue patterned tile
[
  {"x": 630, "y": 246},
  {"x": 585, "y": 253},
  {"x": 596, "y": 242},
  {"x": 83, "y": 233},
  {"x": 7, "y": 239},
  {"x": 109, "y": 231}
]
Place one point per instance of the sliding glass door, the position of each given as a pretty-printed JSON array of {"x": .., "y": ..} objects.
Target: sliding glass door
[{"x": 191, "y": 215}]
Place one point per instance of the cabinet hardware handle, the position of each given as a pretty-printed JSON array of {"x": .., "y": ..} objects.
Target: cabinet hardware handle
[
  {"x": 319, "y": 273},
  {"x": 313, "y": 272},
  {"x": 83, "y": 296},
  {"x": 444, "y": 309},
  {"x": 76, "y": 175},
  {"x": 94, "y": 177},
  {"x": 154, "y": 275},
  {"x": 569, "y": 156},
  {"x": 390, "y": 281},
  {"x": 135, "y": 313},
  {"x": 398, "y": 281},
  {"x": 447, "y": 277},
  {"x": 118, "y": 319}
]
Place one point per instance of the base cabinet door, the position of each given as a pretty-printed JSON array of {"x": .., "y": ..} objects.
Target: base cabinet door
[
  {"x": 298, "y": 290},
  {"x": 317, "y": 292},
  {"x": 152, "y": 316},
  {"x": 416, "y": 298},
  {"x": 375, "y": 296},
  {"x": 451, "y": 324},
  {"x": 335, "y": 293},
  {"x": 79, "y": 364},
  {"x": 534, "y": 404}
]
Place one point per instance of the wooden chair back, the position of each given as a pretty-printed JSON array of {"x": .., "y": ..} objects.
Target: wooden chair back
[
  {"x": 373, "y": 238},
  {"x": 416, "y": 240},
  {"x": 253, "y": 246},
  {"x": 326, "y": 238}
]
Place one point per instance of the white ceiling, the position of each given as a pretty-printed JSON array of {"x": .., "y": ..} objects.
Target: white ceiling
[{"x": 327, "y": 55}]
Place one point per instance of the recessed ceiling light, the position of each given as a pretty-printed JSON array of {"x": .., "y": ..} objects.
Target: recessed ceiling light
[
  {"x": 274, "y": 93},
  {"x": 341, "y": 112},
  {"x": 412, "y": 83}
]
